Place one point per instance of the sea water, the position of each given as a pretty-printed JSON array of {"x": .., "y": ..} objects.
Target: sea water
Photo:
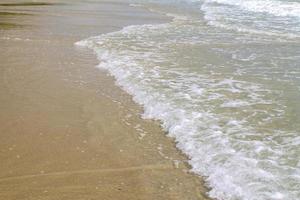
[{"x": 223, "y": 77}]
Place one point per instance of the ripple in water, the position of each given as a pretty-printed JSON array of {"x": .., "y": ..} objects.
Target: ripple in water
[{"x": 229, "y": 98}]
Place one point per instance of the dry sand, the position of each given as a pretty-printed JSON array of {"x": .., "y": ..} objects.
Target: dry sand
[{"x": 66, "y": 131}]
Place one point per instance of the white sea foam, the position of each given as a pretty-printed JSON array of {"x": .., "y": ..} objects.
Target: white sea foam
[
  {"x": 214, "y": 22},
  {"x": 135, "y": 5},
  {"x": 221, "y": 17},
  {"x": 15, "y": 39},
  {"x": 274, "y": 7},
  {"x": 220, "y": 122}
]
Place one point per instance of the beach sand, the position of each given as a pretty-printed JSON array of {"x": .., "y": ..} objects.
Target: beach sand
[{"x": 66, "y": 130}]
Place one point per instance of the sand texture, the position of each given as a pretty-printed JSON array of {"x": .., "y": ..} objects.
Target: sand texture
[{"x": 66, "y": 131}]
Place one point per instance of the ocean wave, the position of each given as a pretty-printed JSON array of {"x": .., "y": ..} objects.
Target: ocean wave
[
  {"x": 273, "y": 7},
  {"x": 226, "y": 125},
  {"x": 232, "y": 19}
]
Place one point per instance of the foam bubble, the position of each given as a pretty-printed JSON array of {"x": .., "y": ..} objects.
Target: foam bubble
[
  {"x": 274, "y": 7},
  {"x": 220, "y": 121}
]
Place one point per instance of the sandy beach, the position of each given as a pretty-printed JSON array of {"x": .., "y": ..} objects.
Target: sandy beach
[{"x": 66, "y": 130}]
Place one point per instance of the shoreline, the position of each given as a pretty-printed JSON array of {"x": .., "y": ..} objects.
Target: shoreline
[{"x": 68, "y": 131}]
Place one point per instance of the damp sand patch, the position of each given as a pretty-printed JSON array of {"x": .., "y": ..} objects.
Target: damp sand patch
[
  {"x": 5, "y": 25},
  {"x": 13, "y": 14},
  {"x": 6, "y": 17},
  {"x": 30, "y": 4}
]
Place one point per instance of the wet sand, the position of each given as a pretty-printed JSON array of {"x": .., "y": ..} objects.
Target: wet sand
[{"x": 66, "y": 131}]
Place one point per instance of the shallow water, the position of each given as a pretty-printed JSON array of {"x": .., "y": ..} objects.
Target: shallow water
[{"x": 224, "y": 79}]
